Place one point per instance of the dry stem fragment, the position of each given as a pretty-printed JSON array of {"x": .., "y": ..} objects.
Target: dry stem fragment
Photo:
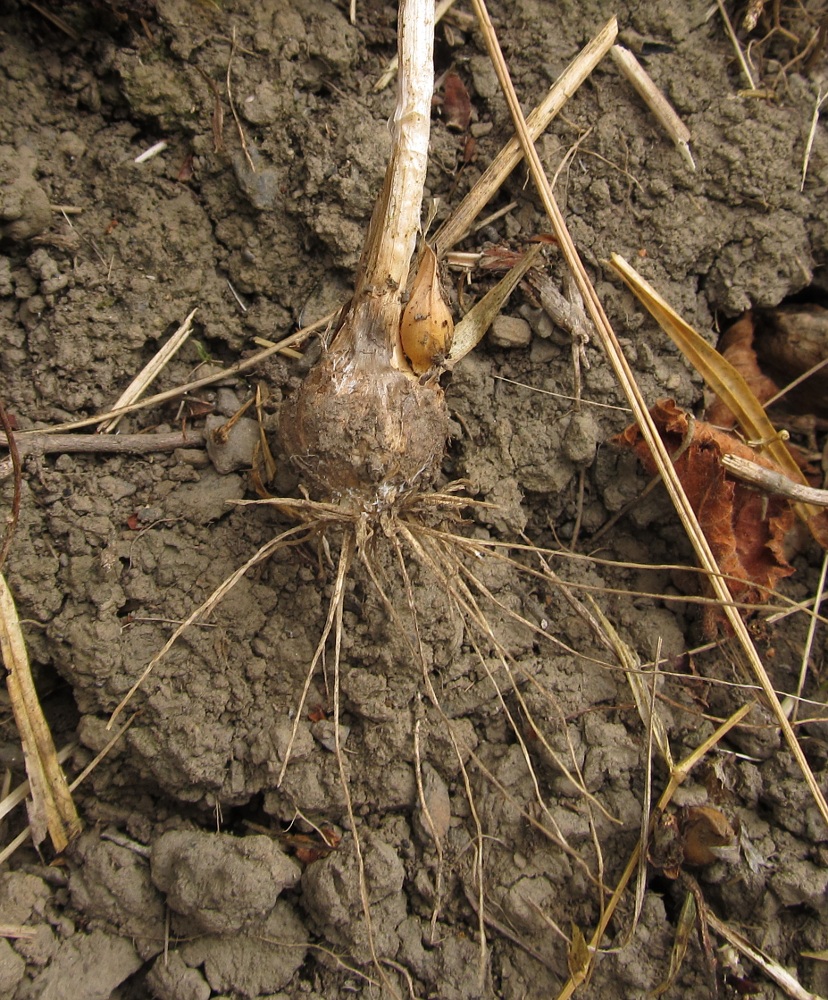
[
  {"x": 52, "y": 809},
  {"x": 655, "y": 101}
]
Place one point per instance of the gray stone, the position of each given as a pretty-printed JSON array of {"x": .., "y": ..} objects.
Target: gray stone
[
  {"x": 510, "y": 331},
  {"x": 233, "y": 449}
]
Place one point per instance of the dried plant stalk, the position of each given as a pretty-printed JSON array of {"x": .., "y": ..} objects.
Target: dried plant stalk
[
  {"x": 51, "y": 810},
  {"x": 364, "y": 428}
]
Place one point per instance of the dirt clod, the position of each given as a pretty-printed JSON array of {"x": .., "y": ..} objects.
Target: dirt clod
[{"x": 218, "y": 883}]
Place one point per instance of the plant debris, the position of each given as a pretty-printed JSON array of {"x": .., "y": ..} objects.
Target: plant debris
[{"x": 745, "y": 530}]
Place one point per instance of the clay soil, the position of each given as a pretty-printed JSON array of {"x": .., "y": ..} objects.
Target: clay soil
[{"x": 198, "y": 875}]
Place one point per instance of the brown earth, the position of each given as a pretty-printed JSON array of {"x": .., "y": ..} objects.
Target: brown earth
[{"x": 112, "y": 552}]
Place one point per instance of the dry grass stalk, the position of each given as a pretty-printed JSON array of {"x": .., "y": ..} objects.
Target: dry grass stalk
[
  {"x": 491, "y": 180},
  {"x": 661, "y": 108},
  {"x": 24, "y": 834},
  {"x": 650, "y": 434},
  {"x": 51, "y": 810},
  {"x": 809, "y": 142},
  {"x": 138, "y": 386},
  {"x": 14, "y": 798},
  {"x": 737, "y": 48},
  {"x": 299, "y": 337},
  {"x": 793, "y": 704},
  {"x": 772, "y": 969}
]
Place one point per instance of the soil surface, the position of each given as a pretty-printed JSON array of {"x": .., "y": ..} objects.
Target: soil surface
[{"x": 199, "y": 873}]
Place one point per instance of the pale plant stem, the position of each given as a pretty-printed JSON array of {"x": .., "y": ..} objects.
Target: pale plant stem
[{"x": 396, "y": 218}]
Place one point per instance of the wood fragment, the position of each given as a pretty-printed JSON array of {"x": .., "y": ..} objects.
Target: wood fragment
[
  {"x": 98, "y": 444},
  {"x": 658, "y": 104},
  {"x": 773, "y": 482}
]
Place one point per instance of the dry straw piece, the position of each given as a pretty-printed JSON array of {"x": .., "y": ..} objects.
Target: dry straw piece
[
  {"x": 51, "y": 809},
  {"x": 661, "y": 108}
]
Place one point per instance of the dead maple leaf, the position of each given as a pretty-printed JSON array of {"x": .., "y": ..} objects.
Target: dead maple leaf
[{"x": 745, "y": 529}]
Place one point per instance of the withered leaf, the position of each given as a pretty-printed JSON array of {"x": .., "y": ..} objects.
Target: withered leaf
[
  {"x": 456, "y": 103},
  {"x": 736, "y": 345},
  {"x": 745, "y": 529},
  {"x": 426, "y": 327}
]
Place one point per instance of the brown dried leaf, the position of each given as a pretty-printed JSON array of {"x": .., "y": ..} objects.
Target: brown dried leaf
[
  {"x": 426, "y": 327},
  {"x": 456, "y": 103},
  {"x": 736, "y": 345},
  {"x": 708, "y": 836},
  {"x": 746, "y": 530}
]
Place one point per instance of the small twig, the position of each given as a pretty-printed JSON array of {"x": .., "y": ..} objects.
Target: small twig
[
  {"x": 43, "y": 443},
  {"x": 737, "y": 47},
  {"x": 14, "y": 456},
  {"x": 775, "y": 483},
  {"x": 661, "y": 108},
  {"x": 127, "y": 842}
]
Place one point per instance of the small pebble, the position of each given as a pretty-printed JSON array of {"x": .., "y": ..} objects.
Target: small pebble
[
  {"x": 237, "y": 451},
  {"x": 510, "y": 331},
  {"x": 227, "y": 402}
]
